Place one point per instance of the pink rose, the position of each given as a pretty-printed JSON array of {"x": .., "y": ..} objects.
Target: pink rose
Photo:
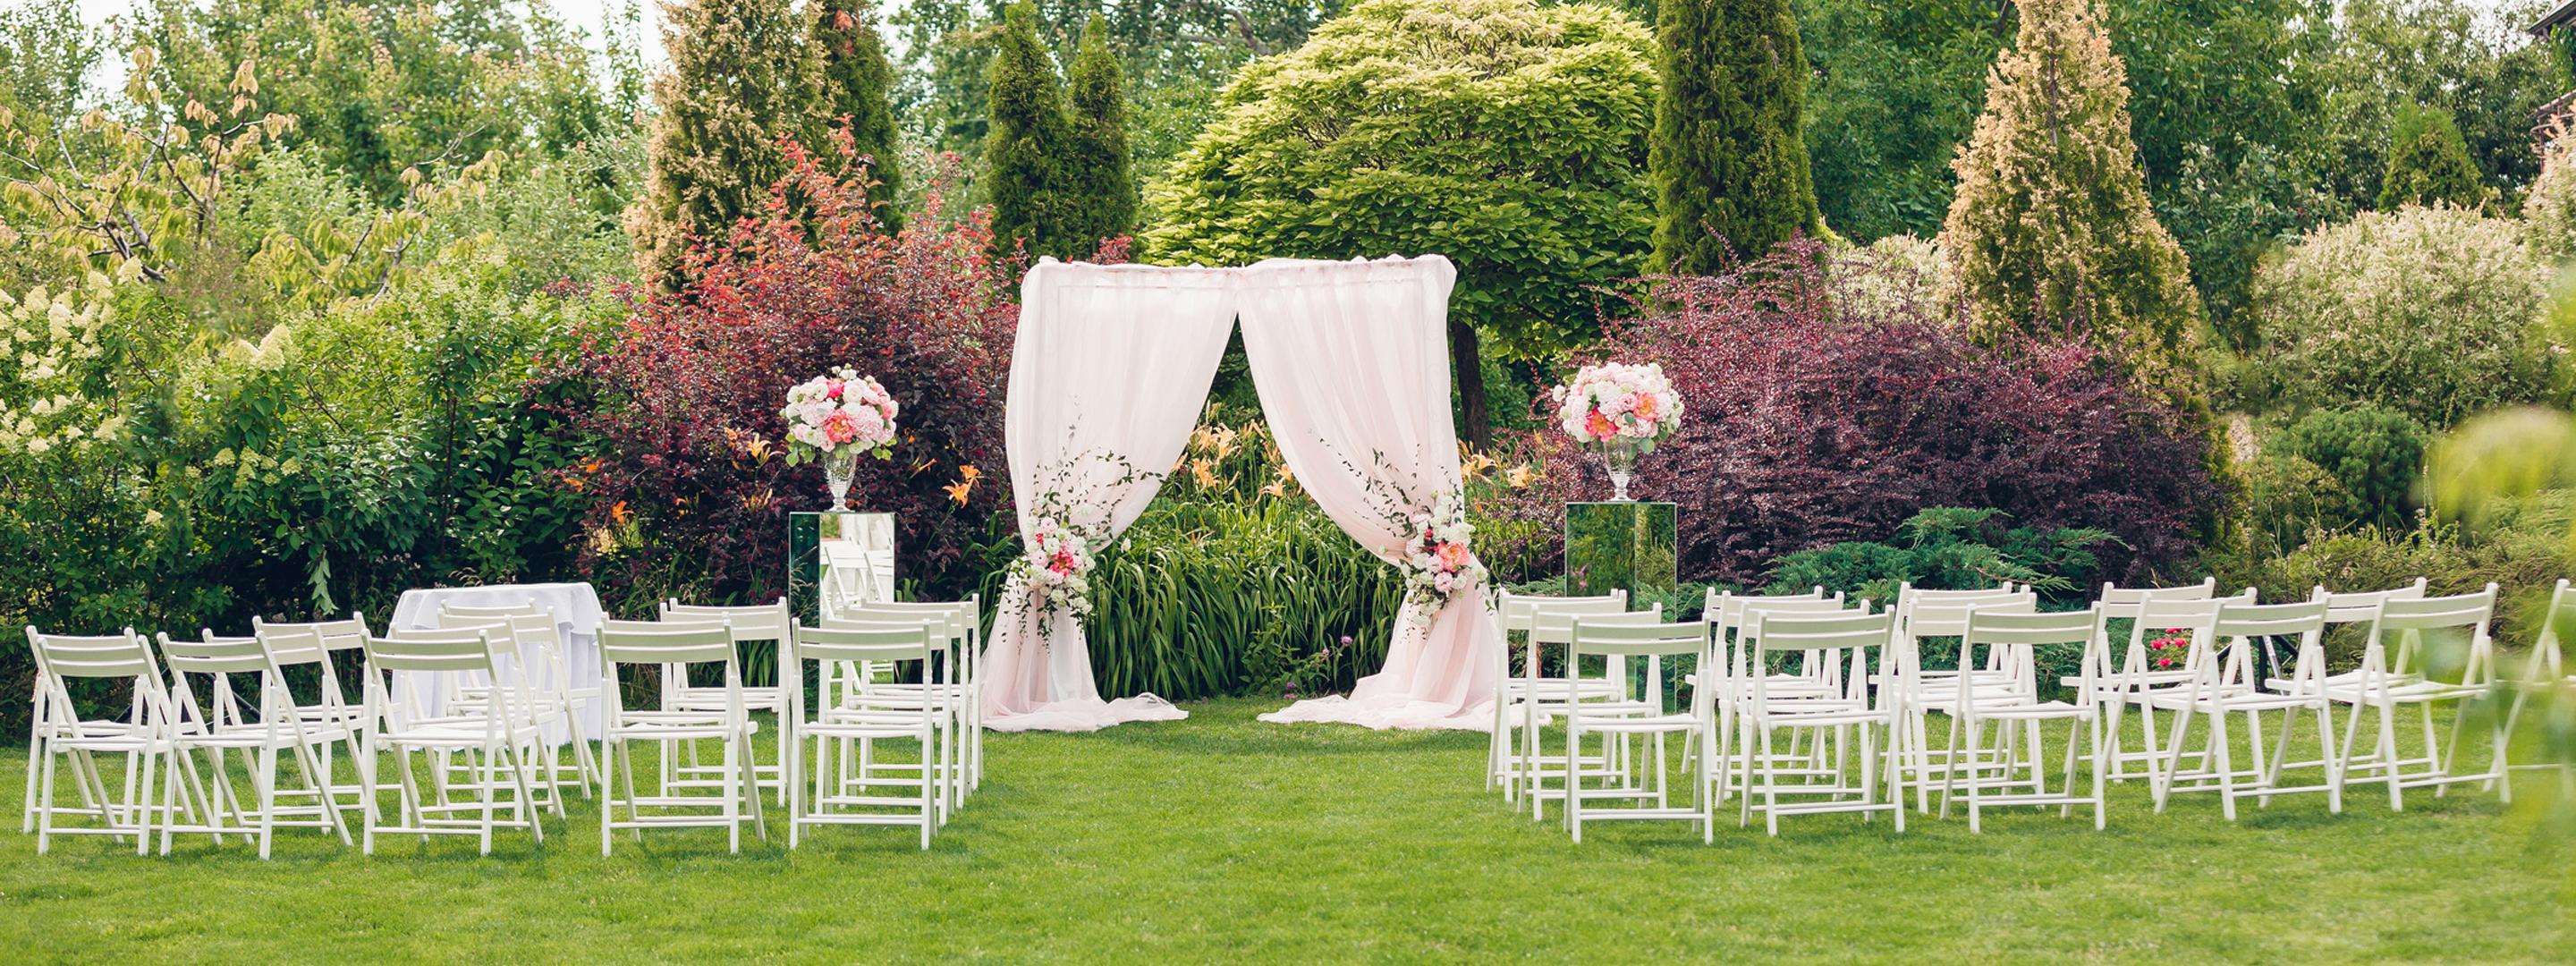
[
  {"x": 1644, "y": 407},
  {"x": 832, "y": 388}
]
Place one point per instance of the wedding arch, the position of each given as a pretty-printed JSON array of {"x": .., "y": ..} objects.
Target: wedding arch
[{"x": 1351, "y": 363}]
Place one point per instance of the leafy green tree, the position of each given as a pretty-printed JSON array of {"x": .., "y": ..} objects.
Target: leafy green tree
[
  {"x": 2376, "y": 454},
  {"x": 858, "y": 85},
  {"x": 383, "y": 88},
  {"x": 46, "y": 51},
  {"x": 1025, "y": 158},
  {"x": 1729, "y": 158},
  {"x": 2428, "y": 164},
  {"x": 1508, "y": 136},
  {"x": 1100, "y": 187},
  {"x": 741, "y": 77},
  {"x": 2051, "y": 227},
  {"x": 1894, "y": 91}
]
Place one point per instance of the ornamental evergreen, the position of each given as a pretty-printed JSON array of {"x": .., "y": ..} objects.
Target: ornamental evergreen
[
  {"x": 1728, "y": 155},
  {"x": 1026, "y": 149},
  {"x": 2050, "y": 230},
  {"x": 736, "y": 83},
  {"x": 2429, "y": 164},
  {"x": 1100, "y": 191},
  {"x": 857, "y": 86}
]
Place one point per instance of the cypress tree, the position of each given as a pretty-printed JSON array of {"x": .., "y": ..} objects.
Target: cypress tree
[
  {"x": 857, "y": 86},
  {"x": 2050, "y": 231},
  {"x": 1100, "y": 190},
  {"x": 1728, "y": 155},
  {"x": 736, "y": 82},
  {"x": 1026, "y": 147},
  {"x": 2429, "y": 164}
]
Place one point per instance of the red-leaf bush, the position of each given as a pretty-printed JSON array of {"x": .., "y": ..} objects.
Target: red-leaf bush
[
  {"x": 689, "y": 493},
  {"x": 1816, "y": 418}
]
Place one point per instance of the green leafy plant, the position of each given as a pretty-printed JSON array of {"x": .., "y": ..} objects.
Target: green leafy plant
[
  {"x": 1948, "y": 548},
  {"x": 2375, "y": 454}
]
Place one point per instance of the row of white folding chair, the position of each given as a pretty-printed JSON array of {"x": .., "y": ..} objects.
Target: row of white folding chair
[
  {"x": 748, "y": 624},
  {"x": 501, "y": 739},
  {"x": 1524, "y": 698},
  {"x": 674, "y": 646},
  {"x": 533, "y": 651},
  {"x": 820, "y": 731},
  {"x": 218, "y": 725},
  {"x": 59, "y": 734}
]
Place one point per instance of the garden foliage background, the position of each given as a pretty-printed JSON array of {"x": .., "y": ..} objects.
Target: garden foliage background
[{"x": 306, "y": 304}]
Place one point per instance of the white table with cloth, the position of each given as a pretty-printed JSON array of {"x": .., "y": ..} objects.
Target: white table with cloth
[{"x": 575, "y": 608}]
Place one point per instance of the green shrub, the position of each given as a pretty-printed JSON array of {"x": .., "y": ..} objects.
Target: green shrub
[
  {"x": 1948, "y": 548},
  {"x": 2430, "y": 312},
  {"x": 2287, "y": 499},
  {"x": 2523, "y": 562},
  {"x": 2376, "y": 454}
]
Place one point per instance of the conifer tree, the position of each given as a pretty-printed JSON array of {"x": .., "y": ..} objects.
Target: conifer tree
[
  {"x": 739, "y": 79},
  {"x": 2429, "y": 164},
  {"x": 858, "y": 83},
  {"x": 2050, "y": 231},
  {"x": 1025, "y": 152},
  {"x": 1100, "y": 190},
  {"x": 1729, "y": 156}
]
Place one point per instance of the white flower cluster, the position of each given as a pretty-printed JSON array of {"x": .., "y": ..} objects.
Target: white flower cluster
[
  {"x": 843, "y": 411},
  {"x": 1438, "y": 560},
  {"x": 50, "y": 338},
  {"x": 1618, "y": 403},
  {"x": 1057, "y": 571}
]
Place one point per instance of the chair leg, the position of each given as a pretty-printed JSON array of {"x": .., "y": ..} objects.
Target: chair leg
[
  {"x": 2226, "y": 749},
  {"x": 607, "y": 794}
]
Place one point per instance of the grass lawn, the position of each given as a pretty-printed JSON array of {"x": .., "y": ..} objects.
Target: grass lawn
[{"x": 1221, "y": 838}]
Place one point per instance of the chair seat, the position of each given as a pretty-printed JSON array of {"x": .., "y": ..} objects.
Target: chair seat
[{"x": 1637, "y": 723}]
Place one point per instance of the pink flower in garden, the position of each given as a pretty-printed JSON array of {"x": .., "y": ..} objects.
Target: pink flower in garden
[
  {"x": 840, "y": 428},
  {"x": 1453, "y": 556}
]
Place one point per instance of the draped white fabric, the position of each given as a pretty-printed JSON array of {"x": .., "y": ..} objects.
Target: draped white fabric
[
  {"x": 1107, "y": 379},
  {"x": 1352, "y": 363}
]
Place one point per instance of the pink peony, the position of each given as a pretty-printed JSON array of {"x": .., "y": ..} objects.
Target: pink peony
[
  {"x": 840, "y": 428},
  {"x": 1644, "y": 407},
  {"x": 832, "y": 388},
  {"x": 1600, "y": 426},
  {"x": 1453, "y": 556}
]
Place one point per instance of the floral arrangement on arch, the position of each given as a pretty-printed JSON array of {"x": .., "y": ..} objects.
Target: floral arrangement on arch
[
  {"x": 1439, "y": 562},
  {"x": 1056, "y": 571},
  {"x": 1614, "y": 404},
  {"x": 841, "y": 412}
]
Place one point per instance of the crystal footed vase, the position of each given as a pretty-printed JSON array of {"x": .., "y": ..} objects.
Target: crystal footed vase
[
  {"x": 1620, "y": 459},
  {"x": 839, "y": 467}
]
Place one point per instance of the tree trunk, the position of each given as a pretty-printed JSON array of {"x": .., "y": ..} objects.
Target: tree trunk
[{"x": 1467, "y": 363}]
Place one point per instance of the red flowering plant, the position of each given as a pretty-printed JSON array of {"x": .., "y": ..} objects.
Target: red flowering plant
[
  {"x": 2168, "y": 649},
  {"x": 1819, "y": 417},
  {"x": 688, "y": 489}
]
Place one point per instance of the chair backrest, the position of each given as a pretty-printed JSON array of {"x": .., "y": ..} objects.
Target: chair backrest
[
  {"x": 349, "y": 634},
  {"x": 446, "y": 649},
  {"x": 1612, "y": 636},
  {"x": 1519, "y": 612},
  {"x": 1552, "y": 626},
  {"x": 963, "y": 618},
  {"x": 752, "y": 622},
  {"x": 2120, "y": 603},
  {"x": 1775, "y": 633},
  {"x": 2548, "y": 660},
  {"x": 2360, "y": 607},
  {"x": 474, "y": 612},
  {"x": 213, "y": 655},
  {"x": 96, "y": 656},
  {"x": 658, "y": 642},
  {"x": 1948, "y": 616},
  {"x": 2018, "y": 633},
  {"x": 889, "y": 642},
  {"x": 1728, "y": 611},
  {"x": 1909, "y": 596}
]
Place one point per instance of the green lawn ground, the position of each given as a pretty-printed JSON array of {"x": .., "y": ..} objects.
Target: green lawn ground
[{"x": 1221, "y": 838}]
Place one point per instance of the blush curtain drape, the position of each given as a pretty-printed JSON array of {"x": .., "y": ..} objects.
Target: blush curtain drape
[
  {"x": 1351, "y": 360},
  {"x": 1108, "y": 374},
  {"x": 1351, "y": 363}
]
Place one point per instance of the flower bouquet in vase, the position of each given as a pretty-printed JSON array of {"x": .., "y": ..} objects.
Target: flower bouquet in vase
[
  {"x": 833, "y": 418},
  {"x": 1618, "y": 411}
]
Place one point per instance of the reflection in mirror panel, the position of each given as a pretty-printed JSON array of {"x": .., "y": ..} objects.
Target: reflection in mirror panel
[{"x": 857, "y": 551}]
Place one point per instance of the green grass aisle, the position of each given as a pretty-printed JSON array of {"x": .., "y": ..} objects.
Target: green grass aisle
[{"x": 1224, "y": 839}]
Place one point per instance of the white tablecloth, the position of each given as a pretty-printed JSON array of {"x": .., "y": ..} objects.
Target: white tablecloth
[{"x": 577, "y": 614}]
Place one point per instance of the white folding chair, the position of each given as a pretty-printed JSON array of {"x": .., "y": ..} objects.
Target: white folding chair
[
  {"x": 2132, "y": 679},
  {"x": 143, "y": 737},
  {"x": 1515, "y": 713},
  {"x": 956, "y": 635},
  {"x": 1618, "y": 637},
  {"x": 312, "y": 645},
  {"x": 1545, "y": 698},
  {"x": 2118, "y": 603},
  {"x": 534, "y": 654},
  {"x": 2545, "y": 672},
  {"x": 833, "y": 799},
  {"x": 1838, "y": 647},
  {"x": 750, "y": 624},
  {"x": 2421, "y": 631},
  {"x": 665, "y": 646},
  {"x": 1727, "y": 674},
  {"x": 220, "y": 725},
  {"x": 1923, "y": 615},
  {"x": 2224, "y": 681},
  {"x": 2012, "y": 636},
  {"x": 500, "y": 736}
]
